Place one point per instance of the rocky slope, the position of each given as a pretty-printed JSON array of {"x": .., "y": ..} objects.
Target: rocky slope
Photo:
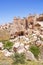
[
  {"x": 25, "y": 26},
  {"x": 23, "y": 33}
]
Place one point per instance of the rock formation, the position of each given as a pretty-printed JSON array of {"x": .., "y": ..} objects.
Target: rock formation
[{"x": 24, "y": 26}]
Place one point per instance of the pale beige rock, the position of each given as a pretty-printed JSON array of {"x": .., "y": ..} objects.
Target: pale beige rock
[
  {"x": 38, "y": 43},
  {"x": 27, "y": 47},
  {"x": 7, "y": 53},
  {"x": 1, "y": 45},
  {"x": 16, "y": 44},
  {"x": 30, "y": 56}
]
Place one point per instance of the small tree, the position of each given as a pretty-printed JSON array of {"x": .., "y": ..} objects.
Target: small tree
[{"x": 35, "y": 50}]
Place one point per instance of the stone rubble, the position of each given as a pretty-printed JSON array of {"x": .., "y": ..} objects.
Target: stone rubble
[{"x": 7, "y": 53}]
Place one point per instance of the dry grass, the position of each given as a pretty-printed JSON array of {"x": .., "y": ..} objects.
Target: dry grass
[
  {"x": 4, "y": 35},
  {"x": 5, "y": 60}
]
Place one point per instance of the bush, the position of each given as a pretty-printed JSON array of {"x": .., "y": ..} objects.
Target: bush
[
  {"x": 7, "y": 45},
  {"x": 35, "y": 50},
  {"x": 19, "y": 58}
]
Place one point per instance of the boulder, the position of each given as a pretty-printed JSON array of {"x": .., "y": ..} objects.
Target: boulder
[
  {"x": 1, "y": 45},
  {"x": 21, "y": 48},
  {"x": 33, "y": 37},
  {"x": 15, "y": 46},
  {"x": 30, "y": 56},
  {"x": 7, "y": 53},
  {"x": 37, "y": 32},
  {"x": 38, "y": 43},
  {"x": 27, "y": 47}
]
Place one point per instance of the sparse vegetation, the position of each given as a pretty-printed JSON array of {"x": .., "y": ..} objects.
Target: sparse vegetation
[
  {"x": 7, "y": 45},
  {"x": 19, "y": 58},
  {"x": 35, "y": 50},
  {"x": 9, "y": 61}
]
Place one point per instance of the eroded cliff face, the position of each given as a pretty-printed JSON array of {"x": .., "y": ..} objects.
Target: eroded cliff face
[{"x": 24, "y": 26}]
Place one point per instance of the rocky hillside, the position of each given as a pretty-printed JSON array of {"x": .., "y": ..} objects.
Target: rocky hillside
[
  {"x": 24, "y": 26},
  {"x": 23, "y": 40}
]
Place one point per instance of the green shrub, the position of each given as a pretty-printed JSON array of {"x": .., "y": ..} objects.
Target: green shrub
[
  {"x": 35, "y": 50},
  {"x": 7, "y": 45},
  {"x": 19, "y": 58}
]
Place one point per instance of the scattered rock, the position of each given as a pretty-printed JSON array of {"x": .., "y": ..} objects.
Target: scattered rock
[
  {"x": 7, "y": 53},
  {"x": 30, "y": 56},
  {"x": 1, "y": 45},
  {"x": 38, "y": 43},
  {"x": 27, "y": 47},
  {"x": 21, "y": 48},
  {"x": 16, "y": 44}
]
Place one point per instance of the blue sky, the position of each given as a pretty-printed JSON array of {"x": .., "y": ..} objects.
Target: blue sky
[{"x": 22, "y": 8}]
